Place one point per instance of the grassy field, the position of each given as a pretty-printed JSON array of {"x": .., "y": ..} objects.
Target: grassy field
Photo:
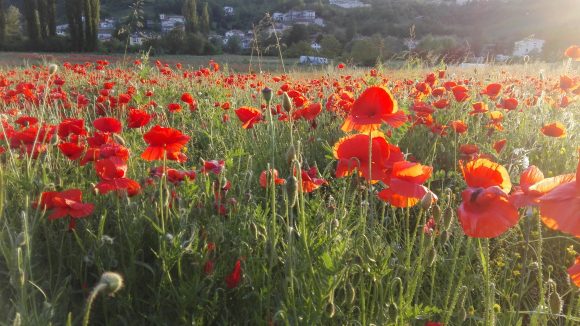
[{"x": 139, "y": 194}]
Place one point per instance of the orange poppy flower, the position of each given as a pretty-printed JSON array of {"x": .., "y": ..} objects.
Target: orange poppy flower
[
  {"x": 248, "y": 116},
  {"x": 566, "y": 83},
  {"x": 483, "y": 173},
  {"x": 479, "y": 107},
  {"x": 486, "y": 212},
  {"x": 492, "y": 90},
  {"x": 406, "y": 184},
  {"x": 373, "y": 107},
  {"x": 441, "y": 104},
  {"x": 310, "y": 180},
  {"x": 533, "y": 185},
  {"x": 560, "y": 208},
  {"x": 555, "y": 129},
  {"x": 574, "y": 272},
  {"x": 163, "y": 142},
  {"x": 458, "y": 126},
  {"x": 352, "y": 153},
  {"x": 573, "y": 52}
]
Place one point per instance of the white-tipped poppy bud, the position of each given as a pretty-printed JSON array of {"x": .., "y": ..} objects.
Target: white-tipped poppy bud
[
  {"x": 113, "y": 282},
  {"x": 52, "y": 68}
]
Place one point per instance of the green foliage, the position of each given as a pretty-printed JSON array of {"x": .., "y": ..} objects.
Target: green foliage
[
  {"x": 298, "y": 49},
  {"x": 189, "y": 11},
  {"x": 330, "y": 46}
]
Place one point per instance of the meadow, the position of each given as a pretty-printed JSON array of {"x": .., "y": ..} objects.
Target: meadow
[{"x": 167, "y": 193}]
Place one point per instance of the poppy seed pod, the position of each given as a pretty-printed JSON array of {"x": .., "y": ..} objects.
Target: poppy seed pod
[
  {"x": 52, "y": 69},
  {"x": 428, "y": 200},
  {"x": 290, "y": 154},
  {"x": 287, "y": 102},
  {"x": 113, "y": 282},
  {"x": 267, "y": 94}
]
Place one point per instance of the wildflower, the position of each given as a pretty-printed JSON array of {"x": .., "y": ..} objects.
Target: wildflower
[
  {"x": 486, "y": 211},
  {"x": 163, "y": 142},
  {"x": 249, "y": 116},
  {"x": 373, "y": 107},
  {"x": 65, "y": 203},
  {"x": 270, "y": 173},
  {"x": 555, "y": 129},
  {"x": 233, "y": 279},
  {"x": 405, "y": 184}
]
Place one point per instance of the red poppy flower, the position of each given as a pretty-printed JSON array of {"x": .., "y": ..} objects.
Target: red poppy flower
[
  {"x": 352, "y": 153},
  {"x": 566, "y": 83},
  {"x": 26, "y": 121},
  {"x": 441, "y": 104},
  {"x": 187, "y": 98},
  {"x": 266, "y": 174},
  {"x": 214, "y": 166},
  {"x": 71, "y": 127},
  {"x": 479, "y": 107},
  {"x": 573, "y": 52},
  {"x": 107, "y": 124},
  {"x": 72, "y": 151},
  {"x": 309, "y": 112},
  {"x": 483, "y": 173},
  {"x": 461, "y": 93},
  {"x": 555, "y": 129},
  {"x": 405, "y": 185},
  {"x": 533, "y": 185},
  {"x": 468, "y": 149},
  {"x": 234, "y": 278},
  {"x": 340, "y": 66},
  {"x": 574, "y": 272},
  {"x": 499, "y": 145},
  {"x": 65, "y": 203},
  {"x": 310, "y": 180},
  {"x": 174, "y": 107},
  {"x": 119, "y": 185},
  {"x": 373, "y": 107},
  {"x": 137, "y": 118},
  {"x": 508, "y": 103},
  {"x": 458, "y": 126},
  {"x": 560, "y": 208},
  {"x": 492, "y": 90},
  {"x": 111, "y": 168},
  {"x": 486, "y": 211},
  {"x": 163, "y": 142},
  {"x": 249, "y": 116}
]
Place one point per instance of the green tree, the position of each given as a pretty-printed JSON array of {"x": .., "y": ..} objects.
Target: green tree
[
  {"x": 330, "y": 46},
  {"x": 205, "y": 20},
  {"x": 189, "y": 11},
  {"x": 74, "y": 13},
  {"x": 298, "y": 33},
  {"x": 12, "y": 24},
  {"x": 365, "y": 52},
  {"x": 91, "y": 26},
  {"x": 2, "y": 24},
  {"x": 32, "y": 19}
]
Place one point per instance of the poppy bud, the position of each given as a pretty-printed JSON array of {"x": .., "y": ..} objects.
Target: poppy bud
[
  {"x": 437, "y": 214},
  {"x": 267, "y": 94},
  {"x": 290, "y": 154},
  {"x": 462, "y": 314},
  {"x": 52, "y": 69},
  {"x": 428, "y": 200},
  {"x": 330, "y": 309},
  {"x": 448, "y": 215},
  {"x": 112, "y": 281},
  {"x": 555, "y": 303},
  {"x": 287, "y": 102},
  {"x": 292, "y": 189}
]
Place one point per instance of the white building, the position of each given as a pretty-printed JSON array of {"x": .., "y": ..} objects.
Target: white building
[
  {"x": 349, "y": 4},
  {"x": 171, "y": 22},
  {"x": 411, "y": 44},
  {"x": 278, "y": 16},
  {"x": 315, "y": 46},
  {"x": 228, "y": 11},
  {"x": 107, "y": 23},
  {"x": 528, "y": 46},
  {"x": 62, "y": 30},
  {"x": 105, "y": 34},
  {"x": 308, "y": 60}
]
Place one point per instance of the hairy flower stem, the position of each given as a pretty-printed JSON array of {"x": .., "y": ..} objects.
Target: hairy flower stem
[{"x": 90, "y": 300}]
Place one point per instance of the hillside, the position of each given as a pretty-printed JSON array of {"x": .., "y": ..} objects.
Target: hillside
[{"x": 473, "y": 26}]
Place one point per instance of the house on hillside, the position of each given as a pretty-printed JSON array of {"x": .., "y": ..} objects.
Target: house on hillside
[
  {"x": 349, "y": 4},
  {"x": 62, "y": 30},
  {"x": 315, "y": 46},
  {"x": 528, "y": 46},
  {"x": 137, "y": 39},
  {"x": 107, "y": 23},
  {"x": 105, "y": 34},
  {"x": 228, "y": 11},
  {"x": 171, "y": 22}
]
